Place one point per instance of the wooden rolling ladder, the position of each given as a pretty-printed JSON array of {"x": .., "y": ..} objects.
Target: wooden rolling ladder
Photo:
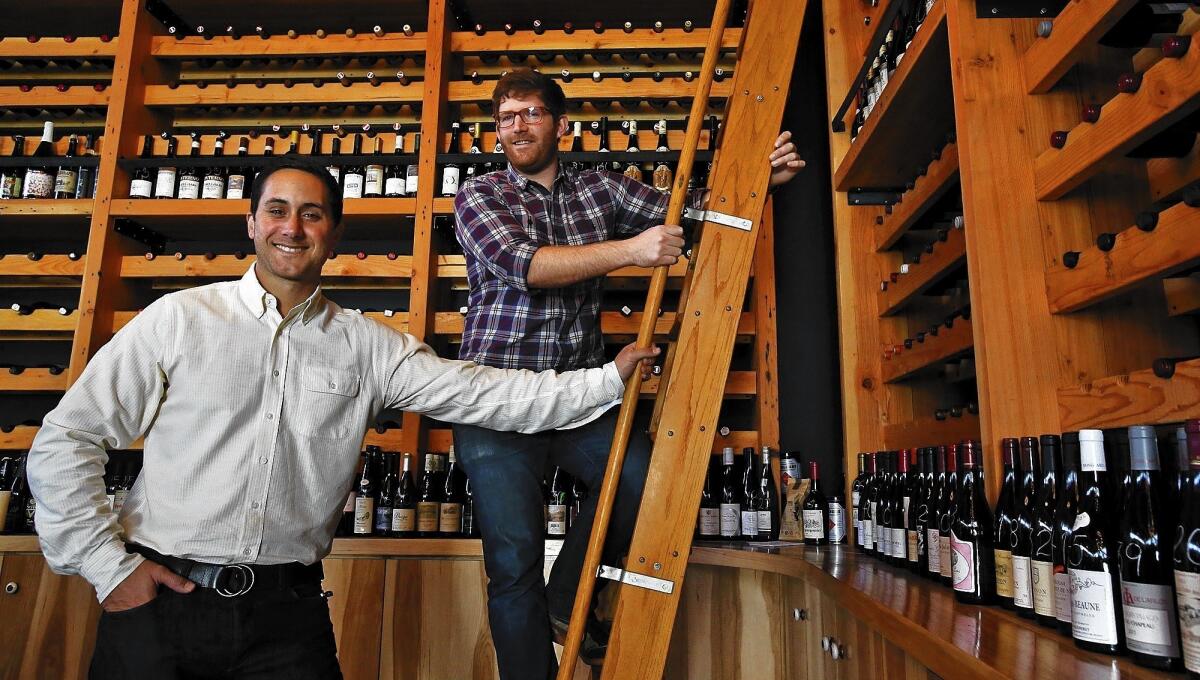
[{"x": 697, "y": 361}]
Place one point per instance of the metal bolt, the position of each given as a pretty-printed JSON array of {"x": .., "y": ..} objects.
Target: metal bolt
[
  {"x": 657, "y": 566},
  {"x": 759, "y": 98},
  {"x": 753, "y": 194},
  {"x": 728, "y": 308},
  {"x": 697, "y": 312},
  {"x": 995, "y": 10},
  {"x": 1044, "y": 28},
  {"x": 670, "y": 433},
  {"x": 11, "y": 588},
  {"x": 674, "y": 553},
  {"x": 702, "y": 428},
  {"x": 642, "y": 560}
]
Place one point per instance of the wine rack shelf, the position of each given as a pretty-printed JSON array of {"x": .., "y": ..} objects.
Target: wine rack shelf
[
  {"x": 931, "y": 431},
  {"x": 46, "y": 96},
  {"x": 467, "y": 42},
  {"x": 19, "y": 544},
  {"x": 193, "y": 47},
  {"x": 237, "y": 208},
  {"x": 947, "y": 256},
  {"x": 939, "y": 177},
  {"x": 1136, "y": 398},
  {"x": 45, "y": 208},
  {"x": 48, "y": 266},
  {"x": 247, "y": 94},
  {"x": 1169, "y": 90},
  {"x": 20, "y": 438},
  {"x": 916, "y": 100},
  {"x": 1136, "y": 258},
  {"x": 33, "y": 380},
  {"x": 1182, "y": 294},
  {"x": 229, "y": 266},
  {"x": 55, "y": 47},
  {"x": 642, "y": 88},
  {"x": 37, "y": 321},
  {"x": 948, "y": 344},
  {"x": 1074, "y": 31}
]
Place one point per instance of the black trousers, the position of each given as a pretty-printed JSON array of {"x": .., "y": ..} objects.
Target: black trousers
[{"x": 277, "y": 633}]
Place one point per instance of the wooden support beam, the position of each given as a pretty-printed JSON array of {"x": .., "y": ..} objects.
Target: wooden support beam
[
  {"x": 940, "y": 176},
  {"x": 948, "y": 344},
  {"x": 916, "y": 100},
  {"x": 1076, "y": 28},
  {"x": 274, "y": 93},
  {"x": 946, "y": 257},
  {"x": 670, "y": 39},
  {"x": 1139, "y": 398},
  {"x": 1183, "y": 294},
  {"x": 195, "y": 47},
  {"x": 1169, "y": 91},
  {"x": 931, "y": 432},
  {"x": 1138, "y": 257}
]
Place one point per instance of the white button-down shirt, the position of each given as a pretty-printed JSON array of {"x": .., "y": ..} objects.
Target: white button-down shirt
[{"x": 252, "y": 426}]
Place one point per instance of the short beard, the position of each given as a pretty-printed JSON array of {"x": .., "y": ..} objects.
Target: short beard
[{"x": 537, "y": 166}]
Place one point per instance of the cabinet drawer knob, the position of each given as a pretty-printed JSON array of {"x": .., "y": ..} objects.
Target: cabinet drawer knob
[
  {"x": 825, "y": 642},
  {"x": 835, "y": 651},
  {"x": 800, "y": 614},
  {"x": 11, "y": 587}
]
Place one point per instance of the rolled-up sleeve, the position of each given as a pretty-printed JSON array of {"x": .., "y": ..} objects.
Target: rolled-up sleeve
[
  {"x": 490, "y": 233},
  {"x": 113, "y": 403}
]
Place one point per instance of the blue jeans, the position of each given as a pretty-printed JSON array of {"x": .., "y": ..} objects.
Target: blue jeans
[{"x": 506, "y": 477}]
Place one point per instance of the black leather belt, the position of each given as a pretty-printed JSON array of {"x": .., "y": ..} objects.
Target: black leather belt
[{"x": 235, "y": 580}]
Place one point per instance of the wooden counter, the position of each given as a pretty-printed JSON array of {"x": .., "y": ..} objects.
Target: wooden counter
[{"x": 886, "y": 623}]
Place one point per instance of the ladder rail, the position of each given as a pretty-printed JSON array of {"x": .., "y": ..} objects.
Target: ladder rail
[{"x": 658, "y": 284}]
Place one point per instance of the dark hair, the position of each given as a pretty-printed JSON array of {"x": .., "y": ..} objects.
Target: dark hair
[
  {"x": 333, "y": 191},
  {"x": 523, "y": 82}
]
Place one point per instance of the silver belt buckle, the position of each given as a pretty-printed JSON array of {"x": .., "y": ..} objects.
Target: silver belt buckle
[{"x": 240, "y": 581}]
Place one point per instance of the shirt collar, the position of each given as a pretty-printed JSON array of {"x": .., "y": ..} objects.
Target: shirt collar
[
  {"x": 255, "y": 297},
  {"x": 565, "y": 174}
]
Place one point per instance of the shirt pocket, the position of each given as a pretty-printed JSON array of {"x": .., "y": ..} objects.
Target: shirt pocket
[{"x": 329, "y": 402}]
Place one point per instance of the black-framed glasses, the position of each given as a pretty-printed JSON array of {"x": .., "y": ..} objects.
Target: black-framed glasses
[{"x": 530, "y": 116}]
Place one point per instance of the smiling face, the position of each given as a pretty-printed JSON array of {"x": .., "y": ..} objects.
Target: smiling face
[
  {"x": 293, "y": 230},
  {"x": 530, "y": 148}
]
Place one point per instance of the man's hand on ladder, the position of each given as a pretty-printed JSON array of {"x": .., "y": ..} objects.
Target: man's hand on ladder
[
  {"x": 629, "y": 357},
  {"x": 785, "y": 162}
]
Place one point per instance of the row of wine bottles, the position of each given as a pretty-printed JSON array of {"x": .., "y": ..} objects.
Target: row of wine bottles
[
  {"x": 1112, "y": 558},
  {"x": 1146, "y": 221},
  {"x": 47, "y": 176},
  {"x": 17, "y": 508},
  {"x": 17, "y": 369},
  {"x": 739, "y": 504},
  {"x": 940, "y": 235},
  {"x": 891, "y": 53},
  {"x": 921, "y": 337}
]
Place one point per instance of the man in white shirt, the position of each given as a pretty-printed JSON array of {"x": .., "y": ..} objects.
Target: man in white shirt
[{"x": 252, "y": 397}]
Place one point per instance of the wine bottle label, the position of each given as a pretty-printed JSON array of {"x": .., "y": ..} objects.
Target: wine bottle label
[
  {"x": 449, "y": 180},
  {"x": 5, "y": 498},
  {"x": 394, "y": 186},
  {"x": 112, "y": 499},
  {"x": 364, "y": 514},
  {"x": 1082, "y": 520},
  {"x": 10, "y": 185},
  {"x": 1149, "y": 619},
  {"x": 236, "y": 187},
  {"x": 1187, "y": 597},
  {"x": 353, "y": 186},
  {"x": 912, "y": 545},
  {"x": 427, "y": 517},
  {"x": 855, "y": 498},
  {"x": 921, "y": 547},
  {"x": 37, "y": 184},
  {"x": 450, "y": 518},
  {"x": 1022, "y": 582},
  {"x": 898, "y": 543},
  {"x": 383, "y": 519},
  {"x": 710, "y": 522},
  {"x": 729, "y": 519},
  {"x": 750, "y": 523},
  {"x": 31, "y": 515},
  {"x": 335, "y": 172},
  {"x": 933, "y": 545},
  {"x": 468, "y": 520},
  {"x": 1043, "y": 588},
  {"x": 164, "y": 185},
  {"x": 65, "y": 181},
  {"x": 868, "y": 534},
  {"x": 837, "y": 523},
  {"x": 140, "y": 188},
  {"x": 374, "y": 180},
  {"x": 350, "y": 500},
  {"x": 214, "y": 187},
  {"x": 1093, "y": 611},
  {"x": 765, "y": 522},
  {"x": 410, "y": 181},
  {"x": 404, "y": 520},
  {"x": 814, "y": 525},
  {"x": 1062, "y": 594},
  {"x": 947, "y": 564},
  {"x": 189, "y": 186},
  {"x": 556, "y": 523},
  {"x": 962, "y": 565},
  {"x": 790, "y": 468}
]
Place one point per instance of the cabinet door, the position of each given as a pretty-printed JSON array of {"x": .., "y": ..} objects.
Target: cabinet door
[
  {"x": 357, "y": 612},
  {"x": 47, "y": 621}
]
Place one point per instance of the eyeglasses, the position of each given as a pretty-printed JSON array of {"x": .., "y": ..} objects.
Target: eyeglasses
[{"x": 530, "y": 116}]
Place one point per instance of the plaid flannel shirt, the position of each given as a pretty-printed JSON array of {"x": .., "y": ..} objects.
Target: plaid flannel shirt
[{"x": 501, "y": 219}]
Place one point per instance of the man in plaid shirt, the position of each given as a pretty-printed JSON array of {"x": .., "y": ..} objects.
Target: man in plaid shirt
[{"x": 539, "y": 237}]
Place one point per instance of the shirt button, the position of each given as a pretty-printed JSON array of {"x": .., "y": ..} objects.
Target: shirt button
[
  {"x": 332, "y": 386},
  {"x": 254, "y": 505},
  {"x": 270, "y": 416},
  {"x": 262, "y": 461},
  {"x": 275, "y": 373},
  {"x": 246, "y": 551}
]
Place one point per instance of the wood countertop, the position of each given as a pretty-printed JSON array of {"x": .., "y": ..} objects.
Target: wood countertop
[{"x": 952, "y": 639}]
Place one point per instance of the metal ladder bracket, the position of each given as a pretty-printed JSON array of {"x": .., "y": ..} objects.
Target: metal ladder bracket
[
  {"x": 632, "y": 578},
  {"x": 718, "y": 218}
]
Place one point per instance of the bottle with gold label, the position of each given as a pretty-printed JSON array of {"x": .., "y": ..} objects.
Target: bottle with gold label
[
  {"x": 632, "y": 169},
  {"x": 663, "y": 177}
]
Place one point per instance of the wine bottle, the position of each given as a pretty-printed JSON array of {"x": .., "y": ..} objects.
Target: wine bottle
[
  {"x": 937, "y": 502},
  {"x": 836, "y": 530},
  {"x": 883, "y": 508},
  {"x": 39, "y": 179},
  {"x": 411, "y": 174},
  {"x": 578, "y": 496},
  {"x": 663, "y": 176},
  {"x": 1147, "y": 596},
  {"x": 451, "y": 503},
  {"x": 190, "y": 177},
  {"x": 393, "y": 182},
  {"x": 364, "y": 501},
  {"x": 911, "y": 500},
  {"x": 856, "y": 494},
  {"x": 815, "y": 510},
  {"x": 768, "y": 499},
  {"x": 949, "y": 515},
  {"x": 386, "y": 502},
  {"x": 86, "y": 176},
  {"x": 601, "y": 129},
  {"x": 866, "y": 512},
  {"x": 1022, "y": 545},
  {"x": 470, "y": 525},
  {"x": 708, "y": 521},
  {"x": 11, "y": 179},
  {"x": 353, "y": 176},
  {"x": 428, "y": 502},
  {"x": 404, "y": 507},
  {"x": 7, "y": 473},
  {"x": 111, "y": 480},
  {"x": 921, "y": 513},
  {"x": 973, "y": 569},
  {"x": 373, "y": 176},
  {"x": 559, "y": 501},
  {"x": 894, "y": 512},
  {"x": 19, "y": 496},
  {"x": 1091, "y": 555},
  {"x": 1003, "y": 530},
  {"x": 1064, "y": 522},
  {"x": 124, "y": 485},
  {"x": 1183, "y": 479},
  {"x": 66, "y": 180},
  {"x": 749, "y": 506},
  {"x": 235, "y": 183},
  {"x": 731, "y": 497},
  {"x": 164, "y": 183},
  {"x": 1187, "y": 557},
  {"x": 576, "y": 146},
  {"x": 335, "y": 170},
  {"x": 1042, "y": 537},
  {"x": 632, "y": 169},
  {"x": 451, "y": 171},
  {"x": 214, "y": 177}
]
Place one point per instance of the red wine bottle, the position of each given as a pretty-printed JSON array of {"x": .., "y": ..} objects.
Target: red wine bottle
[
  {"x": 1064, "y": 522},
  {"x": 908, "y": 531},
  {"x": 815, "y": 510},
  {"x": 971, "y": 537},
  {"x": 1091, "y": 555},
  {"x": 918, "y": 514},
  {"x": 708, "y": 520},
  {"x": 857, "y": 487},
  {"x": 883, "y": 511},
  {"x": 948, "y": 515},
  {"x": 1187, "y": 557},
  {"x": 937, "y": 499},
  {"x": 1042, "y": 538},
  {"x": 1003, "y": 529},
  {"x": 866, "y": 515},
  {"x": 870, "y": 523},
  {"x": 1022, "y": 546},
  {"x": 1147, "y": 595}
]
